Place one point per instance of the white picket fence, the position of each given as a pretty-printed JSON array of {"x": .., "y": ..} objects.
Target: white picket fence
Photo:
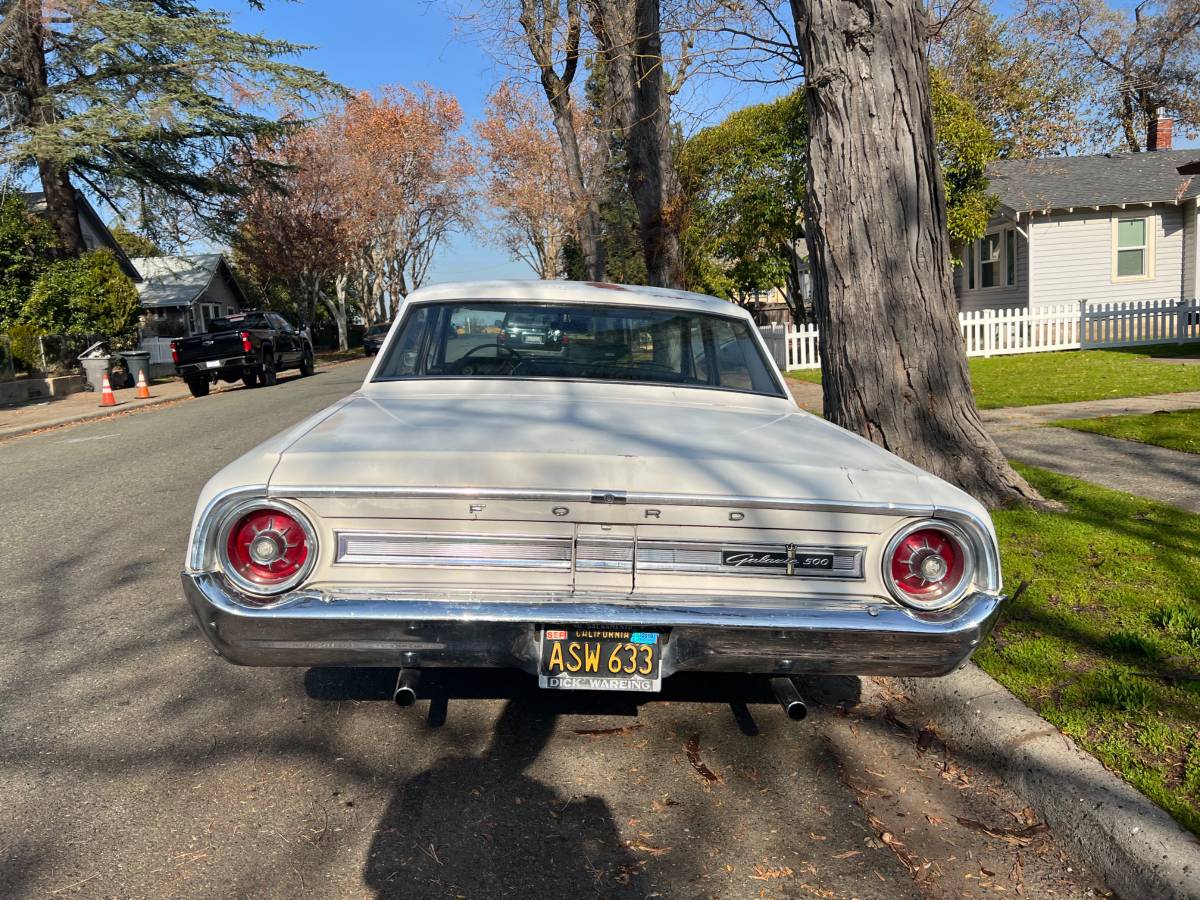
[{"x": 1064, "y": 326}]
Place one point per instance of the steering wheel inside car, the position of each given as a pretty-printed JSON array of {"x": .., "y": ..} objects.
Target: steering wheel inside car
[{"x": 463, "y": 367}]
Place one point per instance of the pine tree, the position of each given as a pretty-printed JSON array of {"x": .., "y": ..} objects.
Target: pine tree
[{"x": 153, "y": 99}]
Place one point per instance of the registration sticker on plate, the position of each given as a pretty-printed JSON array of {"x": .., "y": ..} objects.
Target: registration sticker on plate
[{"x": 600, "y": 659}]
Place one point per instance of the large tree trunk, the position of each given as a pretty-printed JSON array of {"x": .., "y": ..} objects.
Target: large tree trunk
[
  {"x": 540, "y": 33},
  {"x": 37, "y": 107},
  {"x": 631, "y": 50},
  {"x": 892, "y": 356}
]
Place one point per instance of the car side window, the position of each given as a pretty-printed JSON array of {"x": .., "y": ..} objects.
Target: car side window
[
  {"x": 282, "y": 324},
  {"x": 401, "y": 362}
]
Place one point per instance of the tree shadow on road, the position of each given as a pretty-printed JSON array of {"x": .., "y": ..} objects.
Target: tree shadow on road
[{"x": 482, "y": 826}]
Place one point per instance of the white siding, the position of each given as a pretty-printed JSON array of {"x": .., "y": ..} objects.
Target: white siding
[
  {"x": 1001, "y": 297},
  {"x": 1073, "y": 256},
  {"x": 1191, "y": 249}
]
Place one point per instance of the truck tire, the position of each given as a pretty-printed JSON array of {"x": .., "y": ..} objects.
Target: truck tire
[
  {"x": 199, "y": 386},
  {"x": 267, "y": 372},
  {"x": 250, "y": 378},
  {"x": 306, "y": 363}
]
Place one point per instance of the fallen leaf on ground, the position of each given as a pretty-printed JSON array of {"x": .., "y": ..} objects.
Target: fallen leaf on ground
[
  {"x": 848, "y": 854},
  {"x": 767, "y": 873},
  {"x": 637, "y": 844},
  {"x": 693, "y": 755},
  {"x": 596, "y": 732},
  {"x": 1019, "y": 837}
]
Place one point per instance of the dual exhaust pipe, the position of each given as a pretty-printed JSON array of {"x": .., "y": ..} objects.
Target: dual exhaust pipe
[{"x": 784, "y": 688}]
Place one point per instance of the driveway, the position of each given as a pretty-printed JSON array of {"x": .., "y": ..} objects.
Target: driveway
[{"x": 133, "y": 762}]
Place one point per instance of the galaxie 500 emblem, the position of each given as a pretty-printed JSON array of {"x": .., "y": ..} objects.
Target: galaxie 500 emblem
[{"x": 776, "y": 559}]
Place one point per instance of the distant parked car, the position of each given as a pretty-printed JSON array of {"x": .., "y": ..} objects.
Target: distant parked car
[
  {"x": 531, "y": 329},
  {"x": 253, "y": 346},
  {"x": 650, "y": 500},
  {"x": 373, "y": 338}
]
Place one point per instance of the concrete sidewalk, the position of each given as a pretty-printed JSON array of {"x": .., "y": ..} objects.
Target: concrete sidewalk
[
  {"x": 85, "y": 407},
  {"x": 82, "y": 407},
  {"x": 1022, "y": 433}
]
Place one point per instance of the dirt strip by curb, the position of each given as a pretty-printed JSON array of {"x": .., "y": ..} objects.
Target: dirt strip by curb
[{"x": 1138, "y": 849}]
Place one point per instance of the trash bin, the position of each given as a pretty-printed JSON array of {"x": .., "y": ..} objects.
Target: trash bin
[
  {"x": 137, "y": 362},
  {"x": 95, "y": 367}
]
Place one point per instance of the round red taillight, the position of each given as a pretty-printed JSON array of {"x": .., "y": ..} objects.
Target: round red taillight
[
  {"x": 928, "y": 567},
  {"x": 267, "y": 549}
]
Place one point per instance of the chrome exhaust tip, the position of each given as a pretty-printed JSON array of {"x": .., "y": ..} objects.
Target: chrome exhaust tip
[
  {"x": 789, "y": 698},
  {"x": 405, "y": 692}
]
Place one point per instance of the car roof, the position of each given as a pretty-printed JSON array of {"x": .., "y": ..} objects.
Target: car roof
[{"x": 575, "y": 292}]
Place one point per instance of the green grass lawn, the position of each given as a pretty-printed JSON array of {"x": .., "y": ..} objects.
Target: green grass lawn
[
  {"x": 1179, "y": 430},
  {"x": 1105, "y": 642},
  {"x": 1034, "y": 378}
]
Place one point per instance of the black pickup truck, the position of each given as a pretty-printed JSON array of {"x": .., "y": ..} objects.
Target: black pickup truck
[{"x": 253, "y": 346}]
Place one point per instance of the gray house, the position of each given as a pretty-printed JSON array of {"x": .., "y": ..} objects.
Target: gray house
[
  {"x": 180, "y": 296},
  {"x": 1116, "y": 226}
]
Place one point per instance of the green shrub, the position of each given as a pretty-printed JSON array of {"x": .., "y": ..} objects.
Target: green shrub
[
  {"x": 1180, "y": 621},
  {"x": 88, "y": 295},
  {"x": 28, "y": 245},
  {"x": 1119, "y": 689},
  {"x": 25, "y": 347},
  {"x": 1129, "y": 643}
]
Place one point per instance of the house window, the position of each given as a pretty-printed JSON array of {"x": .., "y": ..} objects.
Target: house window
[
  {"x": 989, "y": 260},
  {"x": 971, "y": 266},
  {"x": 1132, "y": 249},
  {"x": 1010, "y": 257}
]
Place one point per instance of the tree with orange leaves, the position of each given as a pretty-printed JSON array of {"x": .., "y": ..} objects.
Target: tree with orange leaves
[
  {"x": 525, "y": 181},
  {"x": 367, "y": 196}
]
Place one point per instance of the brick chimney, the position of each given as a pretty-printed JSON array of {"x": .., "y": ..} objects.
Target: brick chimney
[{"x": 1158, "y": 134}]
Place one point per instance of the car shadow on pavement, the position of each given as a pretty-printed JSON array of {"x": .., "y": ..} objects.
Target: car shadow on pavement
[
  {"x": 440, "y": 687},
  {"x": 482, "y": 826}
]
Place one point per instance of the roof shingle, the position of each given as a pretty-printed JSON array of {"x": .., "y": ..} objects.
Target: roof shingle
[{"x": 1024, "y": 185}]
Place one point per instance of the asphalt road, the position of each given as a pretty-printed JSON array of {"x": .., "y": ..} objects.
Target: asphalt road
[{"x": 135, "y": 763}]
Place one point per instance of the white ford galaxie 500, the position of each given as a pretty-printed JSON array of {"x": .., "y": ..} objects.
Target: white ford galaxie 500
[{"x": 600, "y": 485}]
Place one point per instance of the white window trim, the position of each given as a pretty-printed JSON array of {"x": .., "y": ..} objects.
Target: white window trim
[
  {"x": 1151, "y": 220},
  {"x": 975, "y": 260}
]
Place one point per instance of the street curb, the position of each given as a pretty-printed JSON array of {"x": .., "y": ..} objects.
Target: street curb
[
  {"x": 102, "y": 413},
  {"x": 1138, "y": 849},
  {"x": 126, "y": 406}
]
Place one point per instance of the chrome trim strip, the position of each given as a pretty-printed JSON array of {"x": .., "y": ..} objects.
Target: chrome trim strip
[
  {"x": 603, "y": 554},
  {"x": 453, "y": 549},
  {"x": 571, "y": 496}
]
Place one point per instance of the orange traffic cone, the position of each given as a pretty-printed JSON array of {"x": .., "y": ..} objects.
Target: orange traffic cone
[
  {"x": 107, "y": 397},
  {"x": 143, "y": 389}
]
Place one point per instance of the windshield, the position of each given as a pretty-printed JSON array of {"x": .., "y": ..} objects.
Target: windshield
[
  {"x": 236, "y": 323},
  {"x": 482, "y": 339},
  {"x": 377, "y": 330}
]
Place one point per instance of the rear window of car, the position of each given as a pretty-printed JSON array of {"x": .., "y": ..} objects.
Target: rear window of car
[
  {"x": 233, "y": 323},
  {"x": 377, "y": 330},
  {"x": 480, "y": 339}
]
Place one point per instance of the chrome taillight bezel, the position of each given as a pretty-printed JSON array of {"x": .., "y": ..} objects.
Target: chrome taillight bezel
[
  {"x": 964, "y": 546},
  {"x": 232, "y": 515}
]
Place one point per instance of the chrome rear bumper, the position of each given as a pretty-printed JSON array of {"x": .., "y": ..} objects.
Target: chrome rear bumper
[{"x": 352, "y": 628}]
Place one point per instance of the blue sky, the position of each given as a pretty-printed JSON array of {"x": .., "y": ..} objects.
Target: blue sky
[{"x": 367, "y": 43}]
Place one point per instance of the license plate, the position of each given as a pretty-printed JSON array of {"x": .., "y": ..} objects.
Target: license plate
[
  {"x": 532, "y": 339},
  {"x": 213, "y": 363},
  {"x": 600, "y": 659}
]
